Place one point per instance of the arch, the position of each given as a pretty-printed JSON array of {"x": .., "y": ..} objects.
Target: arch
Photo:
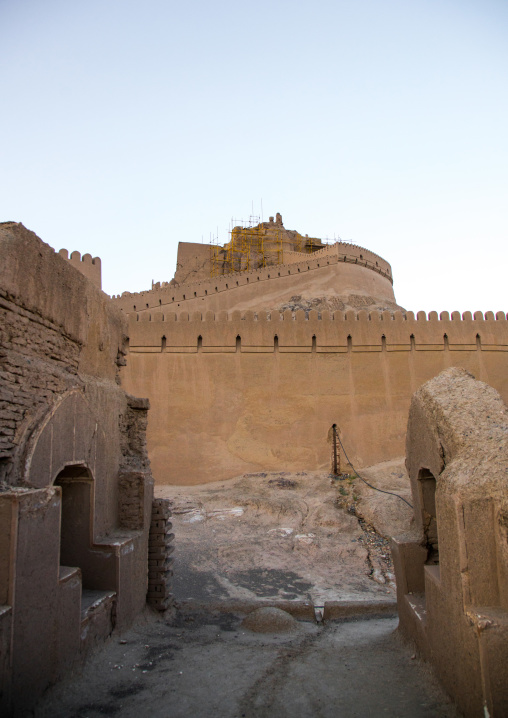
[
  {"x": 68, "y": 434},
  {"x": 427, "y": 493},
  {"x": 238, "y": 343},
  {"x": 77, "y": 549}
]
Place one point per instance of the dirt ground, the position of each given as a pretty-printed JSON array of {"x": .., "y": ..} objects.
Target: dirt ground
[
  {"x": 300, "y": 539},
  {"x": 288, "y": 536},
  {"x": 210, "y": 666}
]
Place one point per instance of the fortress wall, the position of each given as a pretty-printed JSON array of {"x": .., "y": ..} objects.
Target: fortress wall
[
  {"x": 91, "y": 268},
  {"x": 337, "y": 331},
  {"x": 222, "y": 406},
  {"x": 193, "y": 262},
  {"x": 336, "y": 274},
  {"x": 291, "y": 257}
]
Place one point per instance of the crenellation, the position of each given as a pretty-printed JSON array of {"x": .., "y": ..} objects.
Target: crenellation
[
  {"x": 368, "y": 331},
  {"x": 88, "y": 266},
  {"x": 202, "y": 288},
  {"x": 362, "y": 315}
]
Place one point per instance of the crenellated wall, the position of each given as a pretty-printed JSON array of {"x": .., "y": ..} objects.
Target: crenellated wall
[
  {"x": 333, "y": 332},
  {"x": 90, "y": 267},
  {"x": 235, "y": 393},
  {"x": 337, "y": 269}
]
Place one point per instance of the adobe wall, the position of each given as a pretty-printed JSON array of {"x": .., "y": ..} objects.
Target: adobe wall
[
  {"x": 63, "y": 414},
  {"x": 452, "y": 573},
  {"x": 192, "y": 263},
  {"x": 337, "y": 270},
  {"x": 90, "y": 268},
  {"x": 56, "y": 326},
  {"x": 227, "y": 397}
]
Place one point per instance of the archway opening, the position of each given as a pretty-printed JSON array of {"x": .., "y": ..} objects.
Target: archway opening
[
  {"x": 427, "y": 488},
  {"x": 77, "y": 548}
]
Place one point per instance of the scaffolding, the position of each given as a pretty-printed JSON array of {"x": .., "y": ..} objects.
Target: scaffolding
[
  {"x": 251, "y": 246},
  {"x": 307, "y": 245}
]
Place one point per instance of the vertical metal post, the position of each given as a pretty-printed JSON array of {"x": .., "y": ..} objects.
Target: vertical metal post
[{"x": 334, "y": 427}]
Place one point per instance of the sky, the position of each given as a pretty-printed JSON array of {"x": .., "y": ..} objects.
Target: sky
[{"x": 127, "y": 127}]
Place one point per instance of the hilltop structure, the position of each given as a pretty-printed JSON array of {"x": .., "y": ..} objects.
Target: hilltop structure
[{"x": 235, "y": 276}]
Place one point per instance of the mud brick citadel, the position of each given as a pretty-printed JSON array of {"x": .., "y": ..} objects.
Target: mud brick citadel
[
  {"x": 259, "y": 347},
  {"x": 242, "y": 363}
]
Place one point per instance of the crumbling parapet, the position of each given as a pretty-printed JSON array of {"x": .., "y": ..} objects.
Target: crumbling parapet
[
  {"x": 160, "y": 548},
  {"x": 90, "y": 267},
  {"x": 452, "y": 573}
]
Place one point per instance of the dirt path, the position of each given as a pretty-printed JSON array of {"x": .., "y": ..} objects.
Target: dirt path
[
  {"x": 267, "y": 537},
  {"x": 211, "y": 667}
]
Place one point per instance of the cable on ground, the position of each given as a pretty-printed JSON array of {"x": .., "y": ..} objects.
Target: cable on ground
[{"x": 382, "y": 491}]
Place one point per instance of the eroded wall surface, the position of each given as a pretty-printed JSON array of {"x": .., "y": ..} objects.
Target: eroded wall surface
[
  {"x": 243, "y": 392},
  {"x": 452, "y": 571},
  {"x": 75, "y": 483}
]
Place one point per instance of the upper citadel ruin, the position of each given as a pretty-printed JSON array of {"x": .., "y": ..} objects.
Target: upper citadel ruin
[{"x": 248, "y": 357}]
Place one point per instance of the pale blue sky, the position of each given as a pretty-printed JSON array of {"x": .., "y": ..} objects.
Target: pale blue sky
[{"x": 127, "y": 127}]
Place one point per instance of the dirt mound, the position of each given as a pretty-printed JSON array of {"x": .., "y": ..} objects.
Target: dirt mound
[
  {"x": 339, "y": 303},
  {"x": 270, "y": 620}
]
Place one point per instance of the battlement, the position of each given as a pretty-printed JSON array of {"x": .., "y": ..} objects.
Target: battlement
[
  {"x": 90, "y": 267},
  {"x": 325, "y": 332},
  {"x": 340, "y": 252}
]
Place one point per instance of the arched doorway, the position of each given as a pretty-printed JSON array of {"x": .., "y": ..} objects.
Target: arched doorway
[
  {"x": 427, "y": 490},
  {"x": 77, "y": 548}
]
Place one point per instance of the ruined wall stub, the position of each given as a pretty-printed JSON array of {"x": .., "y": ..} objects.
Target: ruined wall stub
[{"x": 452, "y": 573}]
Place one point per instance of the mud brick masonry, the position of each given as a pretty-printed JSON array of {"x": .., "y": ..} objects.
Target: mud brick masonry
[
  {"x": 452, "y": 572},
  {"x": 75, "y": 481},
  {"x": 246, "y": 359},
  {"x": 160, "y": 548}
]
